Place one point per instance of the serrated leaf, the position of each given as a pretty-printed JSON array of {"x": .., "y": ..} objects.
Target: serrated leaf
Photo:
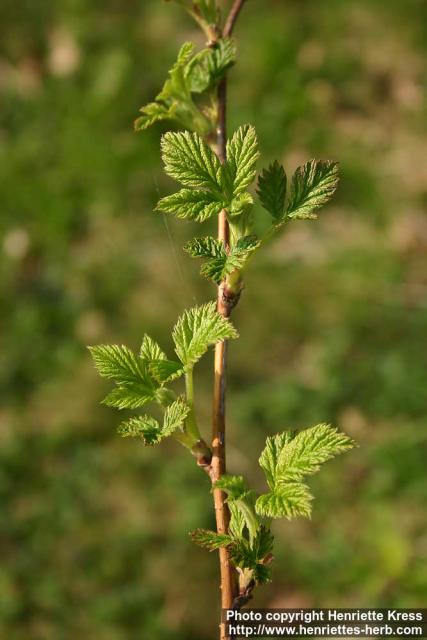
[
  {"x": 312, "y": 186},
  {"x": 214, "y": 269},
  {"x": 243, "y": 499},
  {"x": 237, "y": 521},
  {"x": 197, "y": 329},
  {"x": 262, "y": 574},
  {"x": 209, "y": 66},
  {"x": 251, "y": 556},
  {"x": 269, "y": 458},
  {"x": 150, "y": 350},
  {"x": 304, "y": 454},
  {"x": 190, "y": 161},
  {"x": 272, "y": 190},
  {"x": 131, "y": 395},
  {"x": 135, "y": 387},
  {"x": 166, "y": 370},
  {"x": 117, "y": 363},
  {"x": 144, "y": 427},
  {"x": 240, "y": 253},
  {"x": 289, "y": 458},
  {"x": 197, "y": 71},
  {"x": 149, "y": 429},
  {"x": 262, "y": 544},
  {"x": 211, "y": 540},
  {"x": 207, "y": 247},
  {"x": 221, "y": 264},
  {"x": 286, "y": 459},
  {"x": 242, "y": 155},
  {"x": 192, "y": 204},
  {"x": 287, "y": 501},
  {"x": 154, "y": 112},
  {"x": 247, "y": 243},
  {"x": 175, "y": 416},
  {"x": 176, "y": 85},
  {"x": 174, "y": 102},
  {"x": 224, "y": 55}
]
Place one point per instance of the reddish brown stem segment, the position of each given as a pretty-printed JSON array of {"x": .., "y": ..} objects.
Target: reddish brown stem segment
[
  {"x": 232, "y": 17},
  {"x": 218, "y": 464}
]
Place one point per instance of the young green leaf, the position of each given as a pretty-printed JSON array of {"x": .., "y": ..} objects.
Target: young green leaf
[
  {"x": 211, "y": 540},
  {"x": 221, "y": 264},
  {"x": 242, "y": 498},
  {"x": 175, "y": 416},
  {"x": 304, "y": 454},
  {"x": 117, "y": 363},
  {"x": 246, "y": 244},
  {"x": 214, "y": 250},
  {"x": 144, "y": 427},
  {"x": 215, "y": 269},
  {"x": 262, "y": 545},
  {"x": 269, "y": 458},
  {"x": 207, "y": 247},
  {"x": 209, "y": 66},
  {"x": 149, "y": 429},
  {"x": 150, "y": 350},
  {"x": 242, "y": 155},
  {"x": 135, "y": 387},
  {"x": 286, "y": 459},
  {"x": 240, "y": 253},
  {"x": 197, "y": 329},
  {"x": 175, "y": 102},
  {"x": 272, "y": 190},
  {"x": 252, "y": 556},
  {"x": 154, "y": 112},
  {"x": 237, "y": 521},
  {"x": 287, "y": 501},
  {"x": 130, "y": 395},
  {"x": 165, "y": 370},
  {"x": 190, "y": 161},
  {"x": 289, "y": 458},
  {"x": 192, "y": 204},
  {"x": 312, "y": 186},
  {"x": 176, "y": 85}
]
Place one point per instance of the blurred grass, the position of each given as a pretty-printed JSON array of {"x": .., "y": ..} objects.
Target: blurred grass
[{"x": 93, "y": 531}]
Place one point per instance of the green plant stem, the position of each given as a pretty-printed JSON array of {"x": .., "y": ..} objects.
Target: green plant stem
[{"x": 191, "y": 438}]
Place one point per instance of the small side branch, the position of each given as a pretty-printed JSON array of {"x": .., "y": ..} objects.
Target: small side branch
[{"x": 232, "y": 17}]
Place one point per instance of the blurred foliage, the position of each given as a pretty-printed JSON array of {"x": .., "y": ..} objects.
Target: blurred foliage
[{"x": 93, "y": 533}]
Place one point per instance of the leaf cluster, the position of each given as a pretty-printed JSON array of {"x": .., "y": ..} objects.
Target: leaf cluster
[
  {"x": 142, "y": 378},
  {"x": 219, "y": 263},
  {"x": 210, "y": 187},
  {"x": 286, "y": 460},
  {"x": 191, "y": 75}
]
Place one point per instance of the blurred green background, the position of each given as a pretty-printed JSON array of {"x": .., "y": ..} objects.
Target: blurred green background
[{"x": 94, "y": 529}]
